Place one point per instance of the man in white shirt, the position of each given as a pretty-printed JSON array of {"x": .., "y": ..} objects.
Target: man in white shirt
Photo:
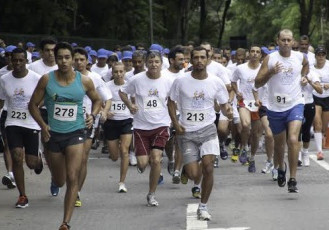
[
  {"x": 284, "y": 72},
  {"x": 100, "y": 66}
]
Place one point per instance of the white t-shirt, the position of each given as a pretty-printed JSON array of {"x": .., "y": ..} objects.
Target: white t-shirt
[
  {"x": 129, "y": 74},
  {"x": 101, "y": 89},
  {"x": 284, "y": 88},
  {"x": 220, "y": 71},
  {"x": 165, "y": 63},
  {"x": 324, "y": 79},
  {"x": 41, "y": 68},
  {"x": 263, "y": 94},
  {"x": 103, "y": 71},
  {"x": 311, "y": 58},
  {"x": 195, "y": 99},
  {"x": 173, "y": 76},
  {"x": 4, "y": 70},
  {"x": 247, "y": 76},
  {"x": 308, "y": 89},
  {"x": 18, "y": 92},
  {"x": 120, "y": 110},
  {"x": 29, "y": 57},
  {"x": 151, "y": 96}
]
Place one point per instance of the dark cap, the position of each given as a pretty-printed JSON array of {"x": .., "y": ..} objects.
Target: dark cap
[{"x": 320, "y": 49}]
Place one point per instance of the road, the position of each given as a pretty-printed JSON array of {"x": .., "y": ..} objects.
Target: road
[{"x": 239, "y": 200}]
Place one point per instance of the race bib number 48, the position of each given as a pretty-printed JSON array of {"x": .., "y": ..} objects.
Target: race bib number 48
[
  {"x": 65, "y": 112},
  {"x": 152, "y": 103}
]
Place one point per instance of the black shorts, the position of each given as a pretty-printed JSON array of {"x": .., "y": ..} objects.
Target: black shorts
[
  {"x": 59, "y": 141},
  {"x": 323, "y": 102},
  {"x": 44, "y": 115},
  {"x": 262, "y": 111},
  {"x": 113, "y": 129},
  {"x": 3, "y": 119},
  {"x": 21, "y": 137}
]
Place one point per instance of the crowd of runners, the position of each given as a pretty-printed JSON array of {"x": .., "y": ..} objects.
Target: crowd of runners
[{"x": 189, "y": 103}]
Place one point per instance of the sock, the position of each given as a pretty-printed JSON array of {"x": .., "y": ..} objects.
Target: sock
[
  {"x": 79, "y": 194},
  {"x": 202, "y": 206},
  {"x": 318, "y": 141},
  {"x": 196, "y": 185},
  {"x": 304, "y": 150},
  {"x": 177, "y": 171},
  {"x": 11, "y": 175}
]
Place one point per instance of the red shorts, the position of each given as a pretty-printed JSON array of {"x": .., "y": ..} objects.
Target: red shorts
[
  {"x": 254, "y": 115},
  {"x": 145, "y": 140}
]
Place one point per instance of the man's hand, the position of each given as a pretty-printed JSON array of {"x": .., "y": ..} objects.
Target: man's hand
[
  {"x": 89, "y": 121},
  {"x": 133, "y": 108},
  {"x": 45, "y": 133}
]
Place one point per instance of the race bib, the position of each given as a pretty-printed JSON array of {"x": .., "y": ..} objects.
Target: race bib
[
  {"x": 282, "y": 99},
  {"x": 250, "y": 105},
  {"x": 119, "y": 107},
  {"x": 65, "y": 112},
  {"x": 194, "y": 117},
  {"x": 19, "y": 114},
  {"x": 152, "y": 103}
]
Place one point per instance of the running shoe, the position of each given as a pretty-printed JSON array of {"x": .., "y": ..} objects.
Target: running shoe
[
  {"x": 306, "y": 159},
  {"x": 235, "y": 155},
  {"x": 183, "y": 177},
  {"x": 78, "y": 202},
  {"x": 139, "y": 170},
  {"x": 292, "y": 186},
  {"x": 176, "y": 177},
  {"x": 274, "y": 174},
  {"x": 320, "y": 156},
  {"x": 64, "y": 226},
  {"x": 132, "y": 159},
  {"x": 105, "y": 150},
  {"x": 171, "y": 167},
  {"x": 243, "y": 157},
  {"x": 22, "y": 202},
  {"x": 8, "y": 181},
  {"x": 223, "y": 153},
  {"x": 300, "y": 163},
  {"x": 216, "y": 162},
  {"x": 282, "y": 176},
  {"x": 161, "y": 179},
  {"x": 196, "y": 192},
  {"x": 252, "y": 167},
  {"x": 54, "y": 189},
  {"x": 268, "y": 167},
  {"x": 203, "y": 214},
  {"x": 151, "y": 201},
  {"x": 122, "y": 188},
  {"x": 95, "y": 145}
]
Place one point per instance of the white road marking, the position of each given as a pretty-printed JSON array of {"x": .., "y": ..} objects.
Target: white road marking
[
  {"x": 322, "y": 163},
  {"x": 192, "y": 222}
]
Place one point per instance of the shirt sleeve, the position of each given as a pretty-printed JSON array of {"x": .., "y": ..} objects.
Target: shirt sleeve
[{"x": 222, "y": 94}]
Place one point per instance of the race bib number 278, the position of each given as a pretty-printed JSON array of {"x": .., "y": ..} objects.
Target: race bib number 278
[{"x": 65, "y": 112}]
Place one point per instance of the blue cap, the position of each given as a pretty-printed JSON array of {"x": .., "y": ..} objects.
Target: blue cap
[
  {"x": 30, "y": 44},
  {"x": 166, "y": 51},
  {"x": 119, "y": 54},
  {"x": 2, "y": 50},
  {"x": 93, "y": 53},
  {"x": 109, "y": 53},
  {"x": 90, "y": 60},
  {"x": 156, "y": 47},
  {"x": 102, "y": 53},
  {"x": 233, "y": 52},
  {"x": 73, "y": 44},
  {"x": 10, "y": 48},
  {"x": 127, "y": 55},
  {"x": 88, "y": 48},
  {"x": 133, "y": 48},
  {"x": 265, "y": 50},
  {"x": 36, "y": 54}
]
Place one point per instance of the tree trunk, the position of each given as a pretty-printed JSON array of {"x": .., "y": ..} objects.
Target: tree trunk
[
  {"x": 222, "y": 24},
  {"x": 184, "y": 6},
  {"x": 306, "y": 9},
  {"x": 203, "y": 16}
]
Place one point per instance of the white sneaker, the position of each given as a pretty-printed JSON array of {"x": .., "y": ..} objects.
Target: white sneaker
[
  {"x": 306, "y": 159},
  {"x": 122, "y": 188},
  {"x": 203, "y": 214},
  {"x": 275, "y": 174},
  {"x": 268, "y": 167},
  {"x": 132, "y": 159},
  {"x": 151, "y": 201}
]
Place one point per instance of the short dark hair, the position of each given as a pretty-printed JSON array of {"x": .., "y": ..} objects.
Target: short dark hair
[
  {"x": 80, "y": 50},
  {"x": 46, "y": 41},
  {"x": 173, "y": 51},
  {"x": 19, "y": 51},
  {"x": 63, "y": 45},
  {"x": 139, "y": 53},
  {"x": 153, "y": 54},
  {"x": 198, "y": 48},
  {"x": 217, "y": 51}
]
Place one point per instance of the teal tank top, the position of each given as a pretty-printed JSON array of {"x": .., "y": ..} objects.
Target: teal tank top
[{"x": 64, "y": 104}]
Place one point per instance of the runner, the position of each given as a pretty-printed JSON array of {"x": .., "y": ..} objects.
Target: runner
[
  {"x": 118, "y": 125},
  {"x": 22, "y": 131},
  {"x": 63, "y": 91},
  {"x": 151, "y": 118},
  {"x": 80, "y": 64},
  {"x": 195, "y": 94},
  {"x": 284, "y": 73}
]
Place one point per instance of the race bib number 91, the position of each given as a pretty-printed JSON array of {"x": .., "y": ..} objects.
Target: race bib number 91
[
  {"x": 65, "y": 112},
  {"x": 282, "y": 99}
]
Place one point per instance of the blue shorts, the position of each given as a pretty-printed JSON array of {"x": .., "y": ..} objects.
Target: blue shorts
[{"x": 279, "y": 120}]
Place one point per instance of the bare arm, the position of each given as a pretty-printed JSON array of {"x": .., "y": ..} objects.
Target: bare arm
[
  {"x": 132, "y": 107},
  {"x": 264, "y": 74},
  {"x": 172, "y": 113}
]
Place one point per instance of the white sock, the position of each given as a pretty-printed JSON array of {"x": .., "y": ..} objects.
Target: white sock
[
  {"x": 202, "y": 206},
  {"x": 196, "y": 185},
  {"x": 318, "y": 141},
  {"x": 304, "y": 150},
  {"x": 11, "y": 175}
]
